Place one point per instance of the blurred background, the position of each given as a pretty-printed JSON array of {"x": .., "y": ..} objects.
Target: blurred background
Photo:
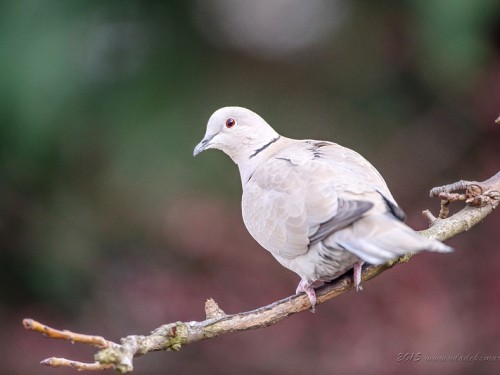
[{"x": 109, "y": 226}]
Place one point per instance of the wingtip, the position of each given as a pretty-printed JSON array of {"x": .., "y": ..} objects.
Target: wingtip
[{"x": 442, "y": 248}]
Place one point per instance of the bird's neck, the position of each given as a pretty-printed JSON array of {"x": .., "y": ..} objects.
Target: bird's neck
[{"x": 249, "y": 162}]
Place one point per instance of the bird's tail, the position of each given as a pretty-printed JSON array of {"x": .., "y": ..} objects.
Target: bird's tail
[{"x": 377, "y": 239}]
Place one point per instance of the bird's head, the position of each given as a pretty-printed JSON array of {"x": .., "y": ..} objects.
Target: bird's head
[{"x": 238, "y": 132}]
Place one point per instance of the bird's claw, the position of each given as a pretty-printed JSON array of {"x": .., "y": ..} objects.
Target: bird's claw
[
  {"x": 357, "y": 275},
  {"x": 305, "y": 287}
]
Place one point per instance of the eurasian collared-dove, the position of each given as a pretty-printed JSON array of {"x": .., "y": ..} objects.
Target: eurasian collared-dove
[{"x": 319, "y": 208}]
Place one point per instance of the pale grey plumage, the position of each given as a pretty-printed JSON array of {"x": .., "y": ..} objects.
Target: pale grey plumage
[{"x": 319, "y": 208}]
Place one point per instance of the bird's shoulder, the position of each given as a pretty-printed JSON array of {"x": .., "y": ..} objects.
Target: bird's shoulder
[{"x": 314, "y": 161}]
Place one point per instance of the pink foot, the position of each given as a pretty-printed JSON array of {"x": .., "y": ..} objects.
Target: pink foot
[
  {"x": 357, "y": 275},
  {"x": 306, "y": 287}
]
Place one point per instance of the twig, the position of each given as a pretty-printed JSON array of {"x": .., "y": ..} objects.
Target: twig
[
  {"x": 63, "y": 362},
  {"x": 429, "y": 216},
  {"x": 476, "y": 194},
  {"x": 481, "y": 199},
  {"x": 97, "y": 341}
]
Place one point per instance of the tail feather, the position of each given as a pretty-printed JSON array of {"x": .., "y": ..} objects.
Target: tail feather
[{"x": 377, "y": 239}]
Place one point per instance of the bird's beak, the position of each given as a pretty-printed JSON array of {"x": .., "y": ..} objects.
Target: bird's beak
[{"x": 205, "y": 142}]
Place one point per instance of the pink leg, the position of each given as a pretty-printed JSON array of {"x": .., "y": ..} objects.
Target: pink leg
[
  {"x": 306, "y": 287},
  {"x": 357, "y": 275}
]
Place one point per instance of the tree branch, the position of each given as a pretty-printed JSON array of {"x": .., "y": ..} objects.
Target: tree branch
[{"x": 481, "y": 199}]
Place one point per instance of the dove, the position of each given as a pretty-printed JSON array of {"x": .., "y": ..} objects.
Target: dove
[{"x": 319, "y": 208}]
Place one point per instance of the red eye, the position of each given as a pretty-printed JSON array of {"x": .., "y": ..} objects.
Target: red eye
[{"x": 230, "y": 122}]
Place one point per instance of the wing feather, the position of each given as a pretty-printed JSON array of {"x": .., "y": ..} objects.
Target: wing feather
[{"x": 347, "y": 213}]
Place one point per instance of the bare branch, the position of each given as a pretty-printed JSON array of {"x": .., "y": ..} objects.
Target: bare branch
[
  {"x": 63, "y": 362},
  {"x": 481, "y": 199},
  {"x": 52, "y": 333}
]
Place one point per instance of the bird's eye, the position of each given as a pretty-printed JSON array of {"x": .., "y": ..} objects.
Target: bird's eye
[{"x": 230, "y": 122}]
